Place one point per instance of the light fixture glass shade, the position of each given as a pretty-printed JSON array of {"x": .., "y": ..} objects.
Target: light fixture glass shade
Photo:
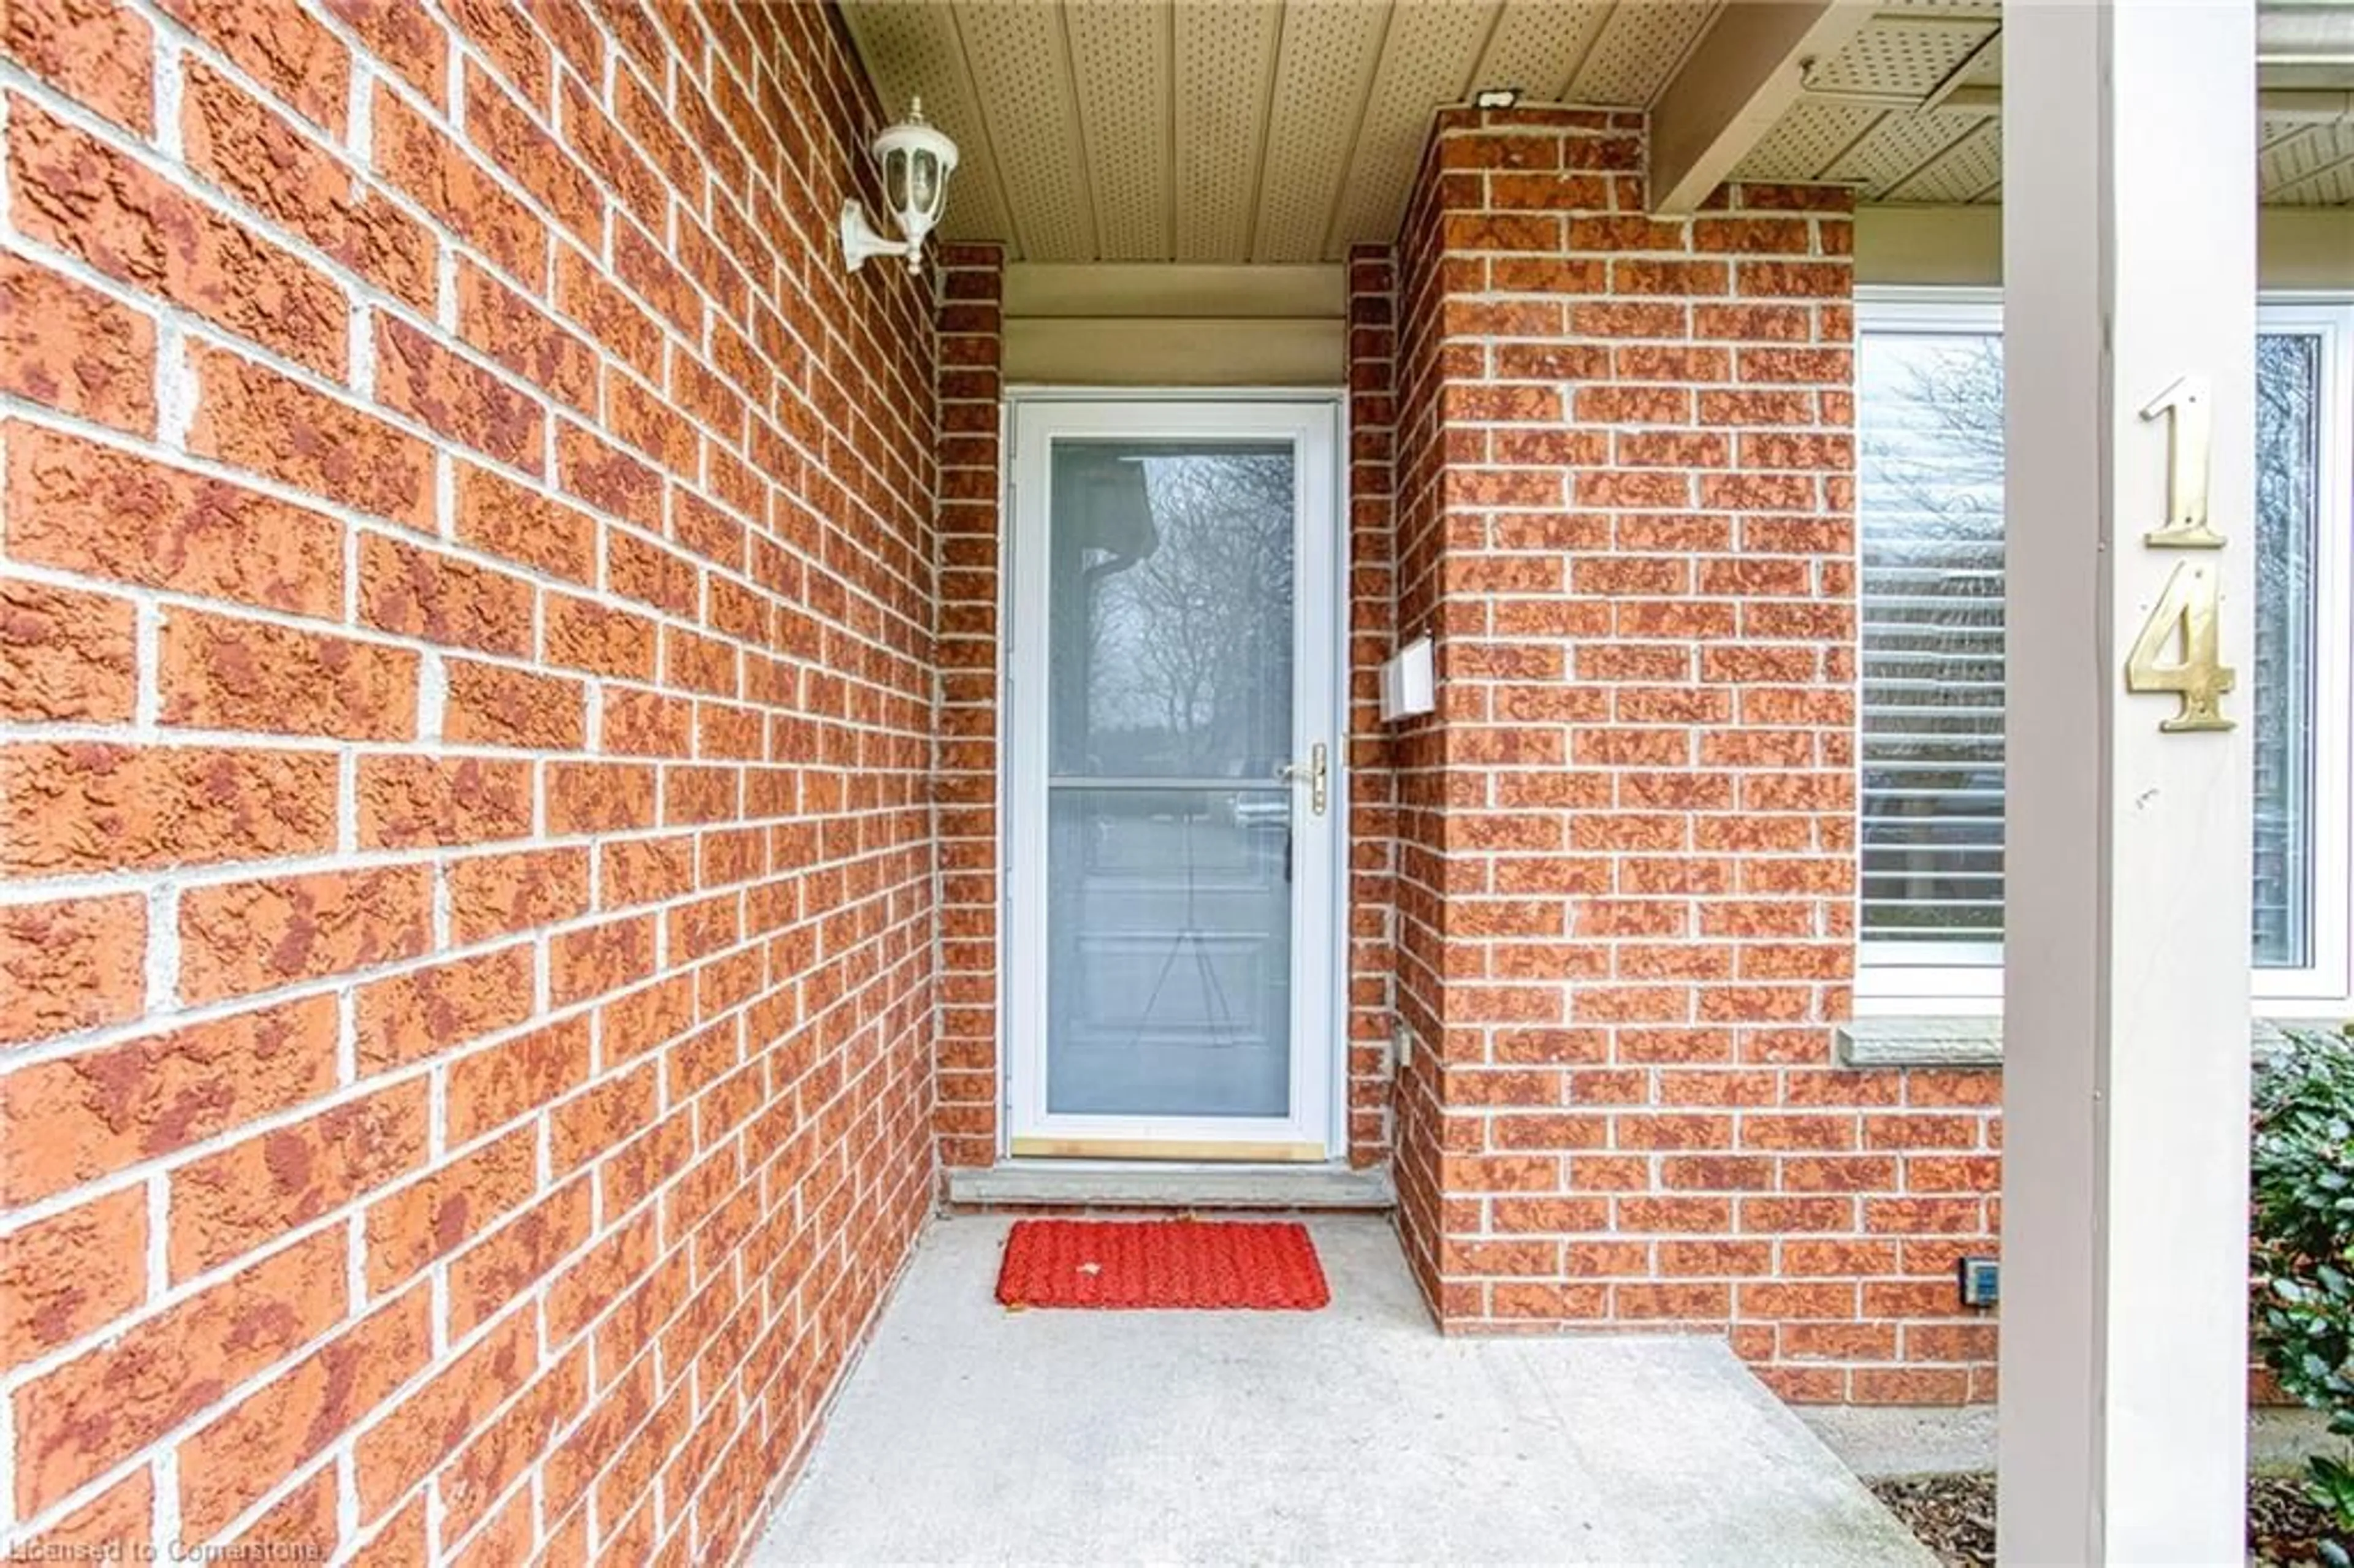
[{"x": 915, "y": 159}]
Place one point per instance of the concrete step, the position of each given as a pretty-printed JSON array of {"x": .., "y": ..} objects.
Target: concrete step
[{"x": 967, "y": 1433}]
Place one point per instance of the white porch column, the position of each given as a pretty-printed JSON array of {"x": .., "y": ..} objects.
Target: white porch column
[{"x": 2129, "y": 263}]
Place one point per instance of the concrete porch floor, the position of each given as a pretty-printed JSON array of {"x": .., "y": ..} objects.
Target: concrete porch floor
[{"x": 967, "y": 1433}]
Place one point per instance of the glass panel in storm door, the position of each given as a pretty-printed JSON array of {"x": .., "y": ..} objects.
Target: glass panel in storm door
[{"x": 1169, "y": 838}]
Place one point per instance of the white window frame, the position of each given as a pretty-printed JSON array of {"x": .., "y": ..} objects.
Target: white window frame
[
  {"x": 2330, "y": 979},
  {"x": 1964, "y": 978}
]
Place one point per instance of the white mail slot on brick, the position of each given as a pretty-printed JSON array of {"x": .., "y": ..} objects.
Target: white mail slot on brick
[{"x": 1407, "y": 686}]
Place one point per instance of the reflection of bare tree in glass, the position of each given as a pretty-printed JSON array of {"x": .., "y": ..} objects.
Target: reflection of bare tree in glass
[
  {"x": 1184, "y": 669},
  {"x": 2287, "y": 450},
  {"x": 1931, "y": 470},
  {"x": 1203, "y": 621}
]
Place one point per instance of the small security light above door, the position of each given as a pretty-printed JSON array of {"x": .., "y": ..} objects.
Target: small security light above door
[{"x": 916, "y": 158}]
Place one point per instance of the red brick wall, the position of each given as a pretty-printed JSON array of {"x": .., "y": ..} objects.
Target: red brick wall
[
  {"x": 466, "y": 862},
  {"x": 1373, "y": 600},
  {"x": 973, "y": 280},
  {"x": 1626, "y": 859}
]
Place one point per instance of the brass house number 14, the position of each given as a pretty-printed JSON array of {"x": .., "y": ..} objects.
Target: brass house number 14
[{"x": 2177, "y": 649}]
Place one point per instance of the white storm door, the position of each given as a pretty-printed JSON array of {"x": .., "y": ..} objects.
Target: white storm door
[{"x": 1174, "y": 780}]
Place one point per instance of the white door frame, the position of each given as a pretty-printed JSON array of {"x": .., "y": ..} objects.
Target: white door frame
[{"x": 1316, "y": 1129}]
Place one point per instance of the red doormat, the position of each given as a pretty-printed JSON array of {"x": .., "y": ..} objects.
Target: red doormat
[{"x": 1162, "y": 1263}]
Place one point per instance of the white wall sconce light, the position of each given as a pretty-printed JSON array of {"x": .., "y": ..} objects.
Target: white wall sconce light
[{"x": 916, "y": 159}]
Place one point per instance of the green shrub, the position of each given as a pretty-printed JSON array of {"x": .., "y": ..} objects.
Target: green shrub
[{"x": 2301, "y": 1250}]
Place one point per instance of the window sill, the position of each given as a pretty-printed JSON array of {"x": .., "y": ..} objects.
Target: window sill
[
  {"x": 1950, "y": 1041},
  {"x": 1977, "y": 1040}
]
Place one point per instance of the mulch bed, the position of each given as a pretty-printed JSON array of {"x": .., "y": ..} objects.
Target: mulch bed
[{"x": 1953, "y": 1517}]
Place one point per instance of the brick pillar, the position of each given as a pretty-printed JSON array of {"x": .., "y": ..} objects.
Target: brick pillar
[
  {"x": 1627, "y": 836},
  {"x": 965, "y": 788},
  {"x": 1420, "y": 902},
  {"x": 1418, "y": 897},
  {"x": 1372, "y": 608}
]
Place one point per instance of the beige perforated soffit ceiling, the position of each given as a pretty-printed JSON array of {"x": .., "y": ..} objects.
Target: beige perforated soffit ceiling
[
  {"x": 1231, "y": 131},
  {"x": 1285, "y": 131}
]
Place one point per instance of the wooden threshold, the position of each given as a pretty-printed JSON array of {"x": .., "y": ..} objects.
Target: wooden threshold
[
  {"x": 1236, "y": 1151},
  {"x": 1196, "y": 1187}
]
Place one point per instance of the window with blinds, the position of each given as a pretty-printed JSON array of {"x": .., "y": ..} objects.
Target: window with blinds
[{"x": 1929, "y": 503}]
